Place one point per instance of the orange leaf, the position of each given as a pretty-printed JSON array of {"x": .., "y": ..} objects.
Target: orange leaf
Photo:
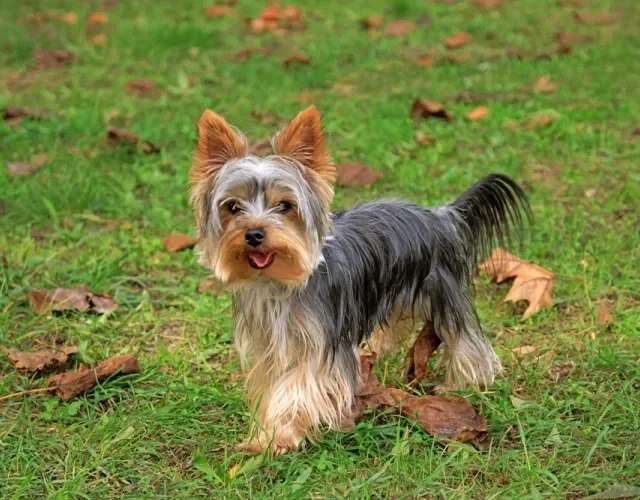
[
  {"x": 426, "y": 60},
  {"x": 457, "y": 40},
  {"x": 47, "y": 58},
  {"x": 540, "y": 121},
  {"x": 356, "y": 174},
  {"x": 424, "y": 139},
  {"x": 417, "y": 362},
  {"x": 478, "y": 113},
  {"x": 487, "y": 4},
  {"x": 99, "y": 40},
  {"x": 97, "y": 18},
  {"x": 69, "y": 17},
  {"x": 176, "y": 242},
  {"x": 530, "y": 282},
  {"x": 143, "y": 87},
  {"x": 399, "y": 28},
  {"x": 79, "y": 298},
  {"x": 41, "y": 360},
  {"x": 524, "y": 350},
  {"x": 604, "y": 316},
  {"x": 372, "y": 22}
]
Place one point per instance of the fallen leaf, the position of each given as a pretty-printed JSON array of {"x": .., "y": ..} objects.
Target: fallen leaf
[
  {"x": 479, "y": 113},
  {"x": 14, "y": 114},
  {"x": 488, "y": 4},
  {"x": 176, "y": 242},
  {"x": 233, "y": 471},
  {"x": 417, "y": 362},
  {"x": 635, "y": 133},
  {"x": 296, "y": 58},
  {"x": 144, "y": 87},
  {"x": 219, "y": 11},
  {"x": 593, "y": 18},
  {"x": 109, "y": 116},
  {"x": 584, "y": 264},
  {"x": 212, "y": 286},
  {"x": 553, "y": 437},
  {"x": 118, "y": 135},
  {"x": 590, "y": 193},
  {"x": 399, "y": 28},
  {"x": 343, "y": 88},
  {"x": 356, "y": 174},
  {"x": 423, "y": 108},
  {"x": 524, "y": 350},
  {"x": 616, "y": 492},
  {"x": 544, "y": 85},
  {"x": 264, "y": 116},
  {"x": 426, "y": 60},
  {"x": 79, "y": 298},
  {"x": 560, "y": 49},
  {"x": 604, "y": 316},
  {"x": 99, "y": 40},
  {"x": 540, "y": 120},
  {"x": 69, "y": 17},
  {"x": 372, "y": 22},
  {"x": 457, "y": 40},
  {"x": 424, "y": 139},
  {"x": 38, "y": 161},
  {"x": 50, "y": 58},
  {"x": 520, "y": 404},
  {"x": 70, "y": 384},
  {"x": 561, "y": 370},
  {"x": 41, "y": 360},
  {"x": 97, "y": 19},
  {"x": 246, "y": 53},
  {"x": 261, "y": 147},
  {"x": 567, "y": 38},
  {"x": 530, "y": 282}
]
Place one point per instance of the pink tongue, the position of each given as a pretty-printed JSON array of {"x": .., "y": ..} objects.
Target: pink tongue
[{"x": 261, "y": 259}]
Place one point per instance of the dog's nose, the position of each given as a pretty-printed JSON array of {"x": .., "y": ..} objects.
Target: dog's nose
[{"x": 254, "y": 237}]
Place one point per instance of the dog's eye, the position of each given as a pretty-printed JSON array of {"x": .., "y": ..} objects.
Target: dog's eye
[
  {"x": 233, "y": 207},
  {"x": 284, "y": 207}
]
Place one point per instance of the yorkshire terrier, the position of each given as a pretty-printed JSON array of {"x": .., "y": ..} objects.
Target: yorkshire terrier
[{"x": 310, "y": 286}]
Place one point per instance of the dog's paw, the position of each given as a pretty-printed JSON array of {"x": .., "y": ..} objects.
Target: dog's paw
[{"x": 277, "y": 446}]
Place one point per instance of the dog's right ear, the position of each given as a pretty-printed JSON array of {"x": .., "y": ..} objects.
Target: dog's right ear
[{"x": 218, "y": 143}]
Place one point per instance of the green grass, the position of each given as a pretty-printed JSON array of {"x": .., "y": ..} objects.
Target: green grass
[{"x": 171, "y": 431}]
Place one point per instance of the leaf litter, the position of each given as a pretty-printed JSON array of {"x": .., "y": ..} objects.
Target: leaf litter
[
  {"x": 79, "y": 298},
  {"x": 177, "y": 242},
  {"x": 40, "y": 360},
  {"x": 531, "y": 283},
  {"x": 356, "y": 174},
  {"x": 424, "y": 108}
]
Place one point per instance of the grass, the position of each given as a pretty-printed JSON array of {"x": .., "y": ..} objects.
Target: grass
[{"x": 96, "y": 214}]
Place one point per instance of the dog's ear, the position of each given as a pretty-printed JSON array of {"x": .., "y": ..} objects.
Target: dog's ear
[
  {"x": 218, "y": 143},
  {"x": 304, "y": 141}
]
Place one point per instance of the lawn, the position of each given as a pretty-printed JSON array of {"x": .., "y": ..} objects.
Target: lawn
[{"x": 564, "y": 418}]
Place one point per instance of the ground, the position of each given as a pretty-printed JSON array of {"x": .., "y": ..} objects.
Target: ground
[{"x": 97, "y": 213}]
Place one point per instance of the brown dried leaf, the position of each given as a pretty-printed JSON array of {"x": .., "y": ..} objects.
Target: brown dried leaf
[
  {"x": 143, "y": 87},
  {"x": 566, "y": 38},
  {"x": 70, "y": 384},
  {"x": 426, "y": 60},
  {"x": 109, "y": 116},
  {"x": 356, "y": 174},
  {"x": 457, "y": 40},
  {"x": 116, "y": 135},
  {"x": 307, "y": 96},
  {"x": 21, "y": 168},
  {"x": 264, "y": 116},
  {"x": 13, "y": 113},
  {"x": 261, "y": 148},
  {"x": 41, "y": 360},
  {"x": 219, "y": 11},
  {"x": 423, "y": 108},
  {"x": 372, "y": 22},
  {"x": 530, "y": 282},
  {"x": 399, "y": 28},
  {"x": 593, "y": 18},
  {"x": 479, "y": 113},
  {"x": 176, "y": 242},
  {"x": 424, "y": 139},
  {"x": 524, "y": 350},
  {"x": 69, "y": 18},
  {"x": 540, "y": 121},
  {"x": 488, "y": 4},
  {"x": 604, "y": 316},
  {"x": 296, "y": 58},
  {"x": 49, "y": 58},
  {"x": 212, "y": 286},
  {"x": 97, "y": 19},
  {"x": 544, "y": 85},
  {"x": 79, "y": 298},
  {"x": 450, "y": 417},
  {"x": 99, "y": 40},
  {"x": 246, "y": 53},
  {"x": 418, "y": 356}
]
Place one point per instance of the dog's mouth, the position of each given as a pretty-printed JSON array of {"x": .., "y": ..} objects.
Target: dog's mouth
[{"x": 260, "y": 260}]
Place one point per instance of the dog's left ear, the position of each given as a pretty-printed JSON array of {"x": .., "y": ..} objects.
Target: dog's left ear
[{"x": 303, "y": 140}]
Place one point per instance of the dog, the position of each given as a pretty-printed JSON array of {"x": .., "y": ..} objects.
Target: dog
[{"x": 310, "y": 285}]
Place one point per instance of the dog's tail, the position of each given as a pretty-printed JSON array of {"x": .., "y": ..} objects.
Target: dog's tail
[
  {"x": 487, "y": 214},
  {"x": 492, "y": 211}
]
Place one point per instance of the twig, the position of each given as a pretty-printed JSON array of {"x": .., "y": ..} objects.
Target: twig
[{"x": 30, "y": 391}]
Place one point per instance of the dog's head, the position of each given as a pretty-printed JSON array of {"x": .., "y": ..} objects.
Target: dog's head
[{"x": 262, "y": 219}]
